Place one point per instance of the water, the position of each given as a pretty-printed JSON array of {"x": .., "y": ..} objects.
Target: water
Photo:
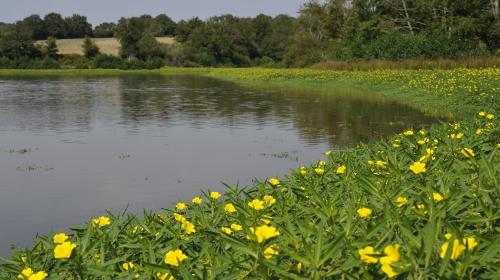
[{"x": 73, "y": 147}]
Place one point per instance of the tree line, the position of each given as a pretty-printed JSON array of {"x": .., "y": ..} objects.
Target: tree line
[
  {"x": 324, "y": 30},
  {"x": 77, "y": 26}
]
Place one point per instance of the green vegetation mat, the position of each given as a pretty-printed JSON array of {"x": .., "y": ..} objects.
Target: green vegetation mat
[{"x": 420, "y": 205}]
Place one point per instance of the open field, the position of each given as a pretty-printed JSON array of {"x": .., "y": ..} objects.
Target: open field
[
  {"x": 420, "y": 205},
  {"x": 106, "y": 45}
]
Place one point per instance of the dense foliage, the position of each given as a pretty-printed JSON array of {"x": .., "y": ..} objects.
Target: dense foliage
[
  {"x": 421, "y": 205},
  {"x": 324, "y": 30}
]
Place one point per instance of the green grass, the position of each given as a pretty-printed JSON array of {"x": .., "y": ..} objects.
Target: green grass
[{"x": 316, "y": 207}]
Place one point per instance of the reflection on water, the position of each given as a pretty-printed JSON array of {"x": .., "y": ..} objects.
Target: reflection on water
[{"x": 148, "y": 141}]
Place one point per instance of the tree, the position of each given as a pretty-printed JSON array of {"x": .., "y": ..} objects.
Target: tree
[
  {"x": 50, "y": 48},
  {"x": 104, "y": 30},
  {"x": 54, "y": 25},
  {"x": 36, "y": 25},
  {"x": 165, "y": 26},
  {"x": 16, "y": 42},
  {"x": 129, "y": 31},
  {"x": 77, "y": 26},
  {"x": 186, "y": 28},
  {"x": 90, "y": 49},
  {"x": 136, "y": 37},
  {"x": 278, "y": 39},
  {"x": 149, "y": 47}
]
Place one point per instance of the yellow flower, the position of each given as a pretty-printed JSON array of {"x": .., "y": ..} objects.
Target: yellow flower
[
  {"x": 391, "y": 257},
  {"x": 256, "y": 204},
  {"x": 341, "y": 169},
  {"x": 421, "y": 132},
  {"x": 269, "y": 200},
  {"x": 401, "y": 200},
  {"x": 418, "y": 167},
  {"x": 229, "y": 208},
  {"x": 381, "y": 164},
  {"x": 274, "y": 182},
  {"x": 60, "y": 238},
  {"x": 136, "y": 229},
  {"x": 180, "y": 206},
  {"x": 456, "y": 251},
  {"x": 226, "y": 230},
  {"x": 179, "y": 217},
  {"x": 327, "y": 153},
  {"x": 366, "y": 254},
  {"x": 236, "y": 227},
  {"x": 264, "y": 232},
  {"x": 490, "y": 116},
  {"x": 420, "y": 208},
  {"x": 270, "y": 251},
  {"x": 421, "y": 142},
  {"x": 188, "y": 227},
  {"x": 174, "y": 257},
  {"x": 164, "y": 276},
  {"x": 371, "y": 163},
  {"x": 319, "y": 170},
  {"x": 40, "y": 275},
  {"x": 63, "y": 251},
  {"x": 128, "y": 265},
  {"x": 101, "y": 221},
  {"x": 391, "y": 254},
  {"x": 408, "y": 133},
  {"x": 302, "y": 171},
  {"x": 26, "y": 272},
  {"x": 456, "y": 136},
  {"x": 364, "y": 212},
  {"x": 482, "y": 114},
  {"x": 299, "y": 267},
  {"x": 470, "y": 242},
  {"x": 479, "y": 131},
  {"x": 468, "y": 152},
  {"x": 197, "y": 200},
  {"x": 429, "y": 155},
  {"x": 437, "y": 197},
  {"x": 388, "y": 270},
  {"x": 214, "y": 195}
]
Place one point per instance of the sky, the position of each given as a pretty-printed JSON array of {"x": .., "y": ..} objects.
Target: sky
[{"x": 98, "y": 11}]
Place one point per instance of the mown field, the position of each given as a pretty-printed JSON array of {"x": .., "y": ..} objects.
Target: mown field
[
  {"x": 109, "y": 46},
  {"x": 420, "y": 205}
]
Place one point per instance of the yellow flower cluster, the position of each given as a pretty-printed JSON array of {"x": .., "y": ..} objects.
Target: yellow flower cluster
[
  {"x": 175, "y": 257},
  {"x": 389, "y": 262},
  {"x": 458, "y": 247},
  {"x": 101, "y": 221},
  {"x": 29, "y": 274}
]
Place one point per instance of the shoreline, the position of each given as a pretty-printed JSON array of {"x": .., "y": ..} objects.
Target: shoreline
[{"x": 406, "y": 196}]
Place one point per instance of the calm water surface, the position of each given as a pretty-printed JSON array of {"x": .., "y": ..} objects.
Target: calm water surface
[{"x": 72, "y": 147}]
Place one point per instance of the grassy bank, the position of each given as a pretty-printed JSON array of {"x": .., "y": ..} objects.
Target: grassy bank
[
  {"x": 460, "y": 91},
  {"x": 421, "y": 205}
]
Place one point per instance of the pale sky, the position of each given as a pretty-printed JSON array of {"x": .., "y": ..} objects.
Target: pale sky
[{"x": 98, "y": 11}]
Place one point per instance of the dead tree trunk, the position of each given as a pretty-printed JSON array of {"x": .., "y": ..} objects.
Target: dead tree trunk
[{"x": 407, "y": 16}]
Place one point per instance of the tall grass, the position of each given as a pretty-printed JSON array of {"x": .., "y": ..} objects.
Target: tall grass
[{"x": 411, "y": 64}]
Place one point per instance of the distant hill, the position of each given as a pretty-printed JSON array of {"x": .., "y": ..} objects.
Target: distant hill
[{"x": 106, "y": 45}]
